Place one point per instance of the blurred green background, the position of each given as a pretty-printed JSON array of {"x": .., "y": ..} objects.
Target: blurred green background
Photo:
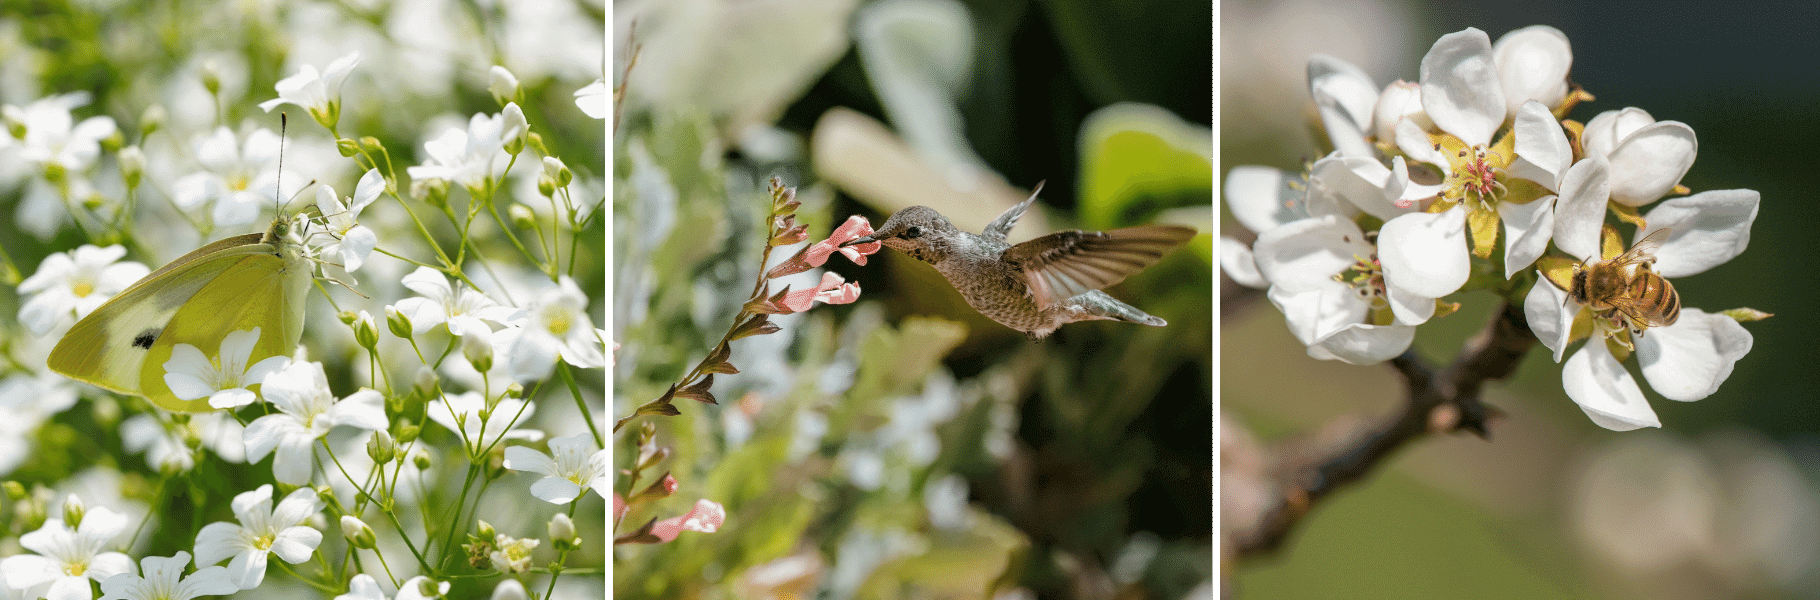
[
  {"x": 904, "y": 446},
  {"x": 1720, "y": 503}
]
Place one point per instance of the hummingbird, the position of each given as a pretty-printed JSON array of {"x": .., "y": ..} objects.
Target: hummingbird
[{"x": 1038, "y": 285}]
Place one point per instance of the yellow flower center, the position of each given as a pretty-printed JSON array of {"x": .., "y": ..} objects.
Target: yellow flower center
[{"x": 82, "y": 289}]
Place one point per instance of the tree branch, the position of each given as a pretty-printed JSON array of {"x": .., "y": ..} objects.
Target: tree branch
[{"x": 1308, "y": 468}]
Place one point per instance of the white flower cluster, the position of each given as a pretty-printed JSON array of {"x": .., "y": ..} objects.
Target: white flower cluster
[{"x": 1428, "y": 180}]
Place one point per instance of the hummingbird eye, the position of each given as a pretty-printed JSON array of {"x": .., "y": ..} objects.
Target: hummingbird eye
[{"x": 913, "y": 232}]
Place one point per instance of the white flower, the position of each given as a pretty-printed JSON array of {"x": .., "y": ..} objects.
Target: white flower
[
  {"x": 164, "y": 447},
  {"x": 1647, "y": 157},
  {"x": 571, "y": 468},
  {"x": 474, "y": 157},
  {"x": 464, "y": 311},
  {"x": 353, "y": 241},
  {"x": 262, "y": 531},
  {"x": 461, "y": 413},
  {"x": 238, "y": 179},
  {"x": 512, "y": 555},
  {"x": 592, "y": 99},
  {"x": 422, "y": 588},
  {"x": 223, "y": 379},
  {"x": 1685, "y": 361},
  {"x": 1325, "y": 278},
  {"x": 54, "y": 140},
  {"x": 363, "y": 587},
  {"x": 510, "y": 589},
  {"x": 67, "y": 559},
  {"x": 164, "y": 580},
  {"x": 706, "y": 517},
  {"x": 68, "y": 286},
  {"x": 26, "y": 402},
  {"x": 556, "y": 326},
  {"x": 319, "y": 93},
  {"x": 1464, "y": 95},
  {"x": 307, "y": 410}
]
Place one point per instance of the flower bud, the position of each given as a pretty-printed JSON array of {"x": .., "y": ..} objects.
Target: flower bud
[
  {"x": 522, "y": 217},
  {"x": 562, "y": 533},
  {"x": 14, "y": 117},
  {"x": 555, "y": 168},
  {"x": 397, "y": 322},
  {"x": 132, "y": 165},
  {"x": 381, "y": 448},
  {"x": 536, "y": 141},
  {"x": 211, "y": 77},
  {"x": 434, "y": 192},
  {"x": 366, "y": 332},
  {"x": 510, "y": 589},
  {"x": 357, "y": 533},
  {"x": 424, "y": 383},
  {"x": 73, "y": 511},
  {"x": 477, "y": 347},
  {"x": 515, "y": 124},
  {"x": 503, "y": 85},
  {"x": 152, "y": 120},
  {"x": 421, "y": 460},
  {"x": 347, "y": 148},
  {"x": 484, "y": 530},
  {"x": 408, "y": 433},
  {"x": 14, "y": 490}
]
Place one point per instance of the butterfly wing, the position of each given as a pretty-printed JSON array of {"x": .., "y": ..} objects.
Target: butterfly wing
[
  {"x": 264, "y": 290},
  {"x": 1065, "y": 264},
  {"x": 108, "y": 347}
]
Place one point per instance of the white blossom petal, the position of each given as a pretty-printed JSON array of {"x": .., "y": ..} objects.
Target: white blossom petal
[
  {"x": 1533, "y": 63},
  {"x": 1543, "y": 152},
  {"x": 1688, "y": 360},
  {"x": 1361, "y": 344},
  {"x": 1596, "y": 381},
  {"x": 1648, "y": 163},
  {"x": 1705, "y": 230},
  {"x": 1425, "y": 253},
  {"x": 1316, "y": 313},
  {"x": 1527, "y": 229},
  {"x": 1460, "y": 88},
  {"x": 1261, "y": 198},
  {"x": 1307, "y": 253},
  {"x": 1580, "y": 209},
  {"x": 1237, "y": 263},
  {"x": 1607, "y": 129},
  {"x": 1400, "y": 101},
  {"x": 1360, "y": 182},
  {"x": 1410, "y": 309},
  {"x": 1413, "y": 140},
  {"x": 1549, "y": 316}
]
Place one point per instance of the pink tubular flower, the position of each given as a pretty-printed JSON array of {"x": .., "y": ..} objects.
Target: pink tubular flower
[
  {"x": 817, "y": 254},
  {"x": 833, "y": 290},
  {"x": 706, "y": 517}
]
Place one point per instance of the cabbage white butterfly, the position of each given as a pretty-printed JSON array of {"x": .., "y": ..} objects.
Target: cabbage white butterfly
[{"x": 239, "y": 283}]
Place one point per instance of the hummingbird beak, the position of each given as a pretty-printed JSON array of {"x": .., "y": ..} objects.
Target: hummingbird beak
[{"x": 857, "y": 241}]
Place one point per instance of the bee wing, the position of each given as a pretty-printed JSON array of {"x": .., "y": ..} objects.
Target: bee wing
[
  {"x": 1644, "y": 250},
  {"x": 1658, "y": 310}
]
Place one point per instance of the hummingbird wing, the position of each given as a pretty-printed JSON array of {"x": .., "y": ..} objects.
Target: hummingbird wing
[
  {"x": 1065, "y": 264},
  {"x": 1000, "y": 227}
]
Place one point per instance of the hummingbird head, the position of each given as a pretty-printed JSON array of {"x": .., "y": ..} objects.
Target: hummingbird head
[{"x": 918, "y": 231}]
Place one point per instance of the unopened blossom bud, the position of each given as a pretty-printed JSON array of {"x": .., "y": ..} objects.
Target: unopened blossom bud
[
  {"x": 132, "y": 165},
  {"x": 485, "y": 530},
  {"x": 424, "y": 382},
  {"x": 421, "y": 460},
  {"x": 514, "y": 124},
  {"x": 347, "y": 148},
  {"x": 562, "y": 533},
  {"x": 515, "y": 390},
  {"x": 114, "y": 141},
  {"x": 408, "y": 433},
  {"x": 536, "y": 141},
  {"x": 510, "y": 589},
  {"x": 477, "y": 347},
  {"x": 152, "y": 120},
  {"x": 434, "y": 192},
  {"x": 522, "y": 217},
  {"x": 358, "y": 534},
  {"x": 555, "y": 168},
  {"x": 211, "y": 77},
  {"x": 366, "y": 332},
  {"x": 73, "y": 510},
  {"x": 397, "y": 322},
  {"x": 546, "y": 187},
  {"x": 381, "y": 448},
  {"x": 503, "y": 84},
  {"x": 14, "y": 117},
  {"x": 14, "y": 490}
]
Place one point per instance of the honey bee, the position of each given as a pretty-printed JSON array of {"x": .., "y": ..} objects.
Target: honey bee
[{"x": 1628, "y": 285}]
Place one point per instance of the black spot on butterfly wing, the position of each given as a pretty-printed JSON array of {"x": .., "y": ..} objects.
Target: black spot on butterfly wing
[{"x": 144, "y": 340}]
